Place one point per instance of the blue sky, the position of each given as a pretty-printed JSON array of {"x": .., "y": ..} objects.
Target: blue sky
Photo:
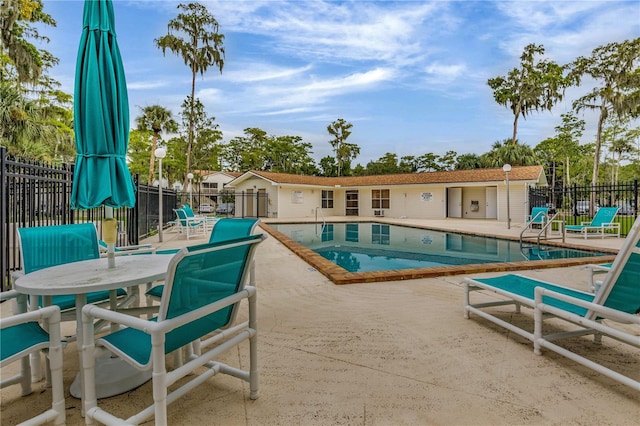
[{"x": 409, "y": 75}]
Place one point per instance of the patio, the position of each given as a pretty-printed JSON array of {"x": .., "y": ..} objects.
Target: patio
[{"x": 384, "y": 353}]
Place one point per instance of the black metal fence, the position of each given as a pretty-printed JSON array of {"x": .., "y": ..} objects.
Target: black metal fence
[
  {"x": 37, "y": 194},
  {"x": 578, "y": 203}
]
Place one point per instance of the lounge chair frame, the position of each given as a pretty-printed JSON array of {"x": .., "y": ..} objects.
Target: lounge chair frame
[
  {"x": 599, "y": 225},
  {"x": 585, "y": 311}
]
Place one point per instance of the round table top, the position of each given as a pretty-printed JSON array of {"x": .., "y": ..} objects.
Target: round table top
[{"x": 94, "y": 275}]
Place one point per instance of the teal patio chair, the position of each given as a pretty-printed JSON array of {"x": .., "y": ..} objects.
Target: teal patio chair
[
  {"x": 189, "y": 225},
  {"x": 538, "y": 218},
  {"x": 224, "y": 229},
  {"x": 125, "y": 250},
  {"x": 599, "y": 225},
  {"x": 209, "y": 221},
  {"x": 617, "y": 299},
  {"x": 20, "y": 336},
  {"x": 204, "y": 287},
  {"x": 45, "y": 246}
]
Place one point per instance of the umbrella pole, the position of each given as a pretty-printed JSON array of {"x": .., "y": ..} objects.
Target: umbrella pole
[{"x": 110, "y": 234}]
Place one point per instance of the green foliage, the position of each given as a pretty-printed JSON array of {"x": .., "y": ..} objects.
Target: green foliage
[
  {"x": 201, "y": 47},
  {"x": 614, "y": 67},
  {"x": 536, "y": 85},
  {"x": 344, "y": 151},
  {"x": 157, "y": 119},
  {"x": 509, "y": 152}
]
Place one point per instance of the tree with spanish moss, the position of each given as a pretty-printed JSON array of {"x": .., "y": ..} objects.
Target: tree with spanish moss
[
  {"x": 615, "y": 69},
  {"x": 535, "y": 85},
  {"x": 344, "y": 151},
  {"x": 201, "y": 47}
]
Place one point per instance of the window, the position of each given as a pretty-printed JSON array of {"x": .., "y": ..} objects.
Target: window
[
  {"x": 327, "y": 199},
  {"x": 380, "y": 198},
  {"x": 380, "y": 234},
  {"x": 352, "y": 233},
  {"x": 327, "y": 232},
  {"x": 209, "y": 185}
]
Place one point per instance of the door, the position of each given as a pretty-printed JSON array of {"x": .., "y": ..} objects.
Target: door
[
  {"x": 454, "y": 202},
  {"x": 262, "y": 203},
  {"x": 351, "y": 203},
  {"x": 491, "y": 197}
]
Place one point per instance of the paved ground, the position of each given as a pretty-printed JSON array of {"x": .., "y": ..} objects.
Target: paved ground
[{"x": 389, "y": 353}]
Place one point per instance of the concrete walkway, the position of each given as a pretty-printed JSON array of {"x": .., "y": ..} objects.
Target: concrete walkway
[{"x": 390, "y": 353}]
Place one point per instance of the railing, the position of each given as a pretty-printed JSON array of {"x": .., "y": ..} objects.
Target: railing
[
  {"x": 547, "y": 226},
  {"x": 35, "y": 193},
  {"x": 324, "y": 222}
]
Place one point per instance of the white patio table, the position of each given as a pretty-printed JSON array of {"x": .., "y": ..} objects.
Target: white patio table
[{"x": 79, "y": 278}]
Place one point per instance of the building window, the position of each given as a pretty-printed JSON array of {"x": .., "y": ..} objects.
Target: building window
[
  {"x": 327, "y": 199},
  {"x": 209, "y": 185},
  {"x": 380, "y": 234},
  {"x": 380, "y": 198}
]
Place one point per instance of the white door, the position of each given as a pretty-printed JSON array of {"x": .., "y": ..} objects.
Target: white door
[
  {"x": 491, "y": 198},
  {"x": 454, "y": 202}
]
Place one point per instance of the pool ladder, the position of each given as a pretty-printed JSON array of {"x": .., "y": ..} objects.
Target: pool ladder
[
  {"x": 543, "y": 234},
  {"x": 324, "y": 222}
]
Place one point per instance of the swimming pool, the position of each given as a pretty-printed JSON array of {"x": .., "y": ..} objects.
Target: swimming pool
[{"x": 372, "y": 251}]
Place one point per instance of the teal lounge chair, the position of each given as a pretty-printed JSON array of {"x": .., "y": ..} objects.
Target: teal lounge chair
[
  {"x": 601, "y": 223},
  {"x": 617, "y": 299},
  {"x": 22, "y": 335},
  {"x": 204, "y": 290}
]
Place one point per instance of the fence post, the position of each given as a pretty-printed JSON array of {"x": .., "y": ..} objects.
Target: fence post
[{"x": 4, "y": 223}]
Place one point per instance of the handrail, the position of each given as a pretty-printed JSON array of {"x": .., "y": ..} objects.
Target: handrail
[
  {"x": 547, "y": 223},
  {"x": 324, "y": 222}
]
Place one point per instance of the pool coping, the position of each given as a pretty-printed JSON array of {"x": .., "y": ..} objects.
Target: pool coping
[{"x": 339, "y": 275}]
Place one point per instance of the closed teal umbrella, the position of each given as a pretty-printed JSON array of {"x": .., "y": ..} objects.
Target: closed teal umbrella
[{"x": 101, "y": 115}]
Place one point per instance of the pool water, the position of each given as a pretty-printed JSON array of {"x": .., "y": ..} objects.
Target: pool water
[{"x": 370, "y": 246}]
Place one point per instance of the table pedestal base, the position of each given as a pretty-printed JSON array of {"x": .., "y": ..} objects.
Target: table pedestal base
[{"x": 113, "y": 377}]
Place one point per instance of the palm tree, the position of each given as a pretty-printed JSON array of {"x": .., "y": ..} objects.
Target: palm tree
[
  {"x": 201, "y": 48},
  {"x": 157, "y": 119}
]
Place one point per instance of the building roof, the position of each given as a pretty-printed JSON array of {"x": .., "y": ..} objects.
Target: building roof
[{"x": 518, "y": 173}]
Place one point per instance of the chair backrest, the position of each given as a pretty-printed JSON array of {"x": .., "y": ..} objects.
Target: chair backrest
[
  {"x": 45, "y": 246},
  {"x": 199, "y": 276},
  {"x": 620, "y": 289},
  {"x": 231, "y": 228},
  {"x": 188, "y": 211},
  {"x": 604, "y": 216},
  {"x": 539, "y": 214},
  {"x": 182, "y": 216}
]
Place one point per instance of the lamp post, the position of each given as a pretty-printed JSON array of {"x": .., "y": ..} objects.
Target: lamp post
[
  {"x": 160, "y": 153},
  {"x": 190, "y": 176},
  {"x": 506, "y": 169}
]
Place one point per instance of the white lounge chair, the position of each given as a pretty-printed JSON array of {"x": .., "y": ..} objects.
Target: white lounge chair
[{"x": 617, "y": 299}]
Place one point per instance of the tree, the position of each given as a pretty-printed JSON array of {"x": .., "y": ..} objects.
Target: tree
[
  {"x": 467, "y": 162},
  {"x": 508, "y": 152},
  {"x": 328, "y": 166},
  {"x": 157, "y": 119},
  {"x": 344, "y": 152},
  {"x": 615, "y": 67},
  {"x": 17, "y": 55},
  {"x": 201, "y": 48},
  {"x": 563, "y": 148},
  {"x": 533, "y": 86},
  {"x": 387, "y": 164}
]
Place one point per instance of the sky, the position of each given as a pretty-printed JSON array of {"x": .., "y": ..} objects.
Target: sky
[{"x": 411, "y": 76}]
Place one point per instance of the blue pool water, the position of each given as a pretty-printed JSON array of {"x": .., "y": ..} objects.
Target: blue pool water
[{"x": 369, "y": 246}]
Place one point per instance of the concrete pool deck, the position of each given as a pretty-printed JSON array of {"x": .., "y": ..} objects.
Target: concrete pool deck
[{"x": 385, "y": 353}]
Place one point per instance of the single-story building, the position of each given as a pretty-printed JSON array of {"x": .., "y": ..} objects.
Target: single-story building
[{"x": 469, "y": 194}]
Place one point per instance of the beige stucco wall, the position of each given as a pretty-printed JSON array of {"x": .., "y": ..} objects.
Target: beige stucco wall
[{"x": 413, "y": 201}]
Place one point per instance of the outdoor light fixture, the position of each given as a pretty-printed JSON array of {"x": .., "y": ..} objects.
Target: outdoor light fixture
[
  {"x": 160, "y": 153},
  {"x": 190, "y": 176},
  {"x": 506, "y": 169}
]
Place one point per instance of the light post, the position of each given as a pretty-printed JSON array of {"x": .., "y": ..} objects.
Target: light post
[
  {"x": 190, "y": 176},
  {"x": 506, "y": 169},
  {"x": 160, "y": 153}
]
